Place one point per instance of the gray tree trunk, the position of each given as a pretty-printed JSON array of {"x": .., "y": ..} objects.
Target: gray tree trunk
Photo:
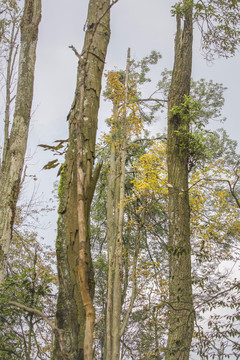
[
  {"x": 181, "y": 316},
  {"x": 11, "y": 170},
  {"x": 115, "y": 218},
  {"x": 75, "y": 311}
]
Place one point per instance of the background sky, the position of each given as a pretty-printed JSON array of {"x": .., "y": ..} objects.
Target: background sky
[{"x": 142, "y": 25}]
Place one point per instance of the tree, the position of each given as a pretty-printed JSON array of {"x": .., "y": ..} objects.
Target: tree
[
  {"x": 30, "y": 281},
  {"x": 75, "y": 311},
  {"x": 218, "y": 22},
  {"x": 221, "y": 20},
  {"x": 9, "y": 50},
  {"x": 9, "y": 12},
  {"x": 123, "y": 236},
  {"x": 121, "y": 127},
  {"x": 214, "y": 240},
  {"x": 181, "y": 313},
  {"x": 126, "y": 125},
  {"x": 16, "y": 141}
]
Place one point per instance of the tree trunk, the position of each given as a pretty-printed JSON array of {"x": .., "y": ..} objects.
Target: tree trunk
[
  {"x": 75, "y": 311},
  {"x": 11, "y": 170},
  {"x": 181, "y": 316},
  {"x": 70, "y": 312},
  {"x": 12, "y": 55},
  {"x": 112, "y": 202},
  {"x": 115, "y": 217}
]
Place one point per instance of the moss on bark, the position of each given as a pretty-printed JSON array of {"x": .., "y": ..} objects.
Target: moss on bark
[{"x": 181, "y": 316}]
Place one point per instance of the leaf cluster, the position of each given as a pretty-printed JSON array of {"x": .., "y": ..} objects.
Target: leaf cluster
[
  {"x": 58, "y": 150},
  {"x": 219, "y": 23},
  {"x": 126, "y": 119},
  {"x": 191, "y": 133},
  {"x": 140, "y": 68},
  {"x": 30, "y": 281},
  {"x": 10, "y": 13}
]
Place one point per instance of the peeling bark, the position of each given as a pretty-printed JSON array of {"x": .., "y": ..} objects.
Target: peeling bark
[
  {"x": 11, "y": 170},
  {"x": 70, "y": 312},
  {"x": 181, "y": 316},
  {"x": 75, "y": 311}
]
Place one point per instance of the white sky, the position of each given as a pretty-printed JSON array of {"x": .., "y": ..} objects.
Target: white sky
[{"x": 142, "y": 25}]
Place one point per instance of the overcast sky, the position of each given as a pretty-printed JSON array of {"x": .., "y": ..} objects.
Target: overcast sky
[{"x": 142, "y": 25}]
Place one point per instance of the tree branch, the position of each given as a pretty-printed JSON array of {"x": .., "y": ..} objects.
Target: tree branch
[
  {"x": 55, "y": 329},
  {"x": 75, "y": 51},
  {"x": 156, "y": 100}
]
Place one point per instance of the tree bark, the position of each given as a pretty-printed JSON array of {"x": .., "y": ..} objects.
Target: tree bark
[
  {"x": 11, "y": 170},
  {"x": 12, "y": 55},
  {"x": 115, "y": 218},
  {"x": 70, "y": 311},
  {"x": 112, "y": 202},
  {"x": 75, "y": 311},
  {"x": 181, "y": 316}
]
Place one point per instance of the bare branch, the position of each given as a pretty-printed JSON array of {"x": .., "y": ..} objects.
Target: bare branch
[
  {"x": 217, "y": 295},
  {"x": 231, "y": 188},
  {"x": 150, "y": 99},
  {"x": 55, "y": 329},
  {"x": 75, "y": 51}
]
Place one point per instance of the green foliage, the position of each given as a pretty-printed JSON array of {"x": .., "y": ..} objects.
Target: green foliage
[
  {"x": 219, "y": 23},
  {"x": 138, "y": 72},
  {"x": 188, "y": 111},
  {"x": 147, "y": 341},
  {"x": 221, "y": 146},
  {"x": 10, "y": 12},
  {"x": 180, "y": 7},
  {"x": 208, "y": 94},
  {"x": 204, "y": 104},
  {"x": 30, "y": 281},
  {"x": 219, "y": 336},
  {"x": 191, "y": 133},
  {"x": 214, "y": 224},
  {"x": 61, "y": 187},
  {"x": 211, "y": 97},
  {"x": 140, "y": 68},
  {"x": 144, "y": 220}
]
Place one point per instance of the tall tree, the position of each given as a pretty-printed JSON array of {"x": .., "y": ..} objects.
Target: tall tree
[
  {"x": 75, "y": 311},
  {"x": 115, "y": 217},
  {"x": 217, "y": 21},
  {"x": 181, "y": 314},
  {"x": 15, "y": 146}
]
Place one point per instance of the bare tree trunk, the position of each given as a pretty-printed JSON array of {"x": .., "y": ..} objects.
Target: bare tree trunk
[
  {"x": 112, "y": 202},
  {"x": 12, "y": 54},
  {"x": 11, "y": 170},
  {"x": 75, "y": 311},
  {"x": 90, "y": 69},
  {"x": 115, "y": 217},
  {"x": 181, "y": 316}
]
